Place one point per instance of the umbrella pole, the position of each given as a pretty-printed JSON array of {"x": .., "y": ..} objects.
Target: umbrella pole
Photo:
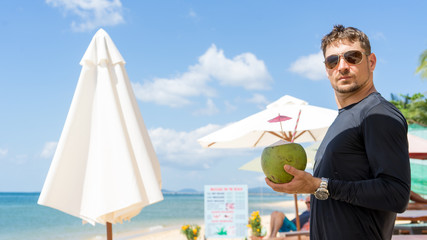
[
  {"x": 109, "y": 231},
  {"x": 295, "y": 195},
  {"x": 297, "y": 215}
]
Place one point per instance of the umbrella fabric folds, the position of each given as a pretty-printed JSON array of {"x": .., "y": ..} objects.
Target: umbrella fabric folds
[
  {"x": 105, "y": 169},
  {"x": 262, "y": 128}
]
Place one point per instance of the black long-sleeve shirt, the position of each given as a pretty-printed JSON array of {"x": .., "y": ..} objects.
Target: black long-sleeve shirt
[{"x": 365, "y": 156}]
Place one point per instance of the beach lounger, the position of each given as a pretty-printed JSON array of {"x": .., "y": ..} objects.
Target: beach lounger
[
  {"x": 294, "y": 235},
  {"x": 411, "y": 228},
  {"x": 408, "y": 237}
]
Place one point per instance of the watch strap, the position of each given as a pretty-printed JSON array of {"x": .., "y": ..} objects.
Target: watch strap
[{"x": 324, "y": 183}]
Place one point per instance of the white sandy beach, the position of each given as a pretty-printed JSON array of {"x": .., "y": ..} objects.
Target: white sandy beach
[{"x": 173, "y": 233}]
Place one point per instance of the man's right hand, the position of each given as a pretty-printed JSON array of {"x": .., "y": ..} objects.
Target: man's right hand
[{"x": 303, "y": 182}]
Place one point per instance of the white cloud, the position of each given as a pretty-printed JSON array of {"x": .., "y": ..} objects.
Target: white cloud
[
  {"x": 48, "y": 149},
  {"x": 209, "y": 110},
  {"x": 92, "y": 13},
  {"x": 181, "y": 149},
  {"x": 259, "y": 100},
  {"x": 17, "y": 159},
  {"x": 244, "y": 70},
  {"x": 3, "y": 152},
  {"x": 174, "y": 92},
  {"x": 310, "y": 66}
]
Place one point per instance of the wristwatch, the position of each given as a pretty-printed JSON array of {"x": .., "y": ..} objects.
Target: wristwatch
[{"x": 322, "y": 192}]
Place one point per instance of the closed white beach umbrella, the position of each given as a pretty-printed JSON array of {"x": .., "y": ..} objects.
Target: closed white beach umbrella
[
  {"x": 276, "y": 122},
  {"x": 104, "y": 169}
]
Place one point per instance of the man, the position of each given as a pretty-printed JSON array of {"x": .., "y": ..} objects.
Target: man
[
  {"x": 361, "y": 177},
  {"x": 280, "y": 223}
]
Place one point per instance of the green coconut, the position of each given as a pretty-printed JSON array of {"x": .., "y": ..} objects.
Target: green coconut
[{"x": 273, "y": 159}]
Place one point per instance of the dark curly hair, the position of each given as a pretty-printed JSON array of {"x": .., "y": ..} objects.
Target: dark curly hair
[{"x": 346, "y": 33}]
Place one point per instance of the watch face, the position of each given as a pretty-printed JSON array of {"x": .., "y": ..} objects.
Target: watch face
[{"x": 321, "y": 194}]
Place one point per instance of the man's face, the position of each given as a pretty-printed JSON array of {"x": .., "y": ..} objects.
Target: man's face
[{"x": 348, "y": 78}]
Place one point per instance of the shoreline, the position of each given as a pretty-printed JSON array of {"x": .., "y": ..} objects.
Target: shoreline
[{"x": 155, "y": 221}]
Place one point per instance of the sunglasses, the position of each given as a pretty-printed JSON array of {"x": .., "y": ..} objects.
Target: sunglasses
[{"x": 352, "y": 57}]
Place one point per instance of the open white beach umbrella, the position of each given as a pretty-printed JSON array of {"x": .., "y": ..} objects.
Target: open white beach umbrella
[
  {"x": 104, "y": 169},
  {"x": 276, "y": 122}
]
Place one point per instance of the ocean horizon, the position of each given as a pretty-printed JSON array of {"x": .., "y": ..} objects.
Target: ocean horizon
[{"x": 22, "y": 218}]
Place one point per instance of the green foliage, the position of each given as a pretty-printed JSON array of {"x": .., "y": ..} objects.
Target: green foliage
[
  {"x": 422, "y": 68},
  {"x": 255, "y": 224},
  {"x": 191, "y": 231},
  {"x": 414, "y": 107}
]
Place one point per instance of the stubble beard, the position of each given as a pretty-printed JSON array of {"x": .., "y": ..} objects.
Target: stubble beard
[
  {"x": 351, "y": 88},
  {"x": 348, "y": 89}
]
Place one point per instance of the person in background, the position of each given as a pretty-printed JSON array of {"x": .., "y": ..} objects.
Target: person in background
[
  {"x": 361, "y": 177},
  {"x": 418, "y": 202},
  {"x": 280, "y": 223}
]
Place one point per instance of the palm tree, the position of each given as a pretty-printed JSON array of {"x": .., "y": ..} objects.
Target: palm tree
[
  {"x": 414, "y": 107},
  {"x": 422, "y": 68}
]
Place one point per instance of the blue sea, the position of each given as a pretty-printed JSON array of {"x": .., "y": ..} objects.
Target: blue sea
[{"x": 22, "y": 218}]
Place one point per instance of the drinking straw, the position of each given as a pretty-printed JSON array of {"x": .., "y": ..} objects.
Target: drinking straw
[{"x": 295, "y": 130}]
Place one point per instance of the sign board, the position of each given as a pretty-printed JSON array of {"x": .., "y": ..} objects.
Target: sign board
[{"x": 226, "y": 211}]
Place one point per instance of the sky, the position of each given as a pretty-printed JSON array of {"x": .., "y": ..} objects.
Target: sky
[{"x": 195, "y": 66}]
